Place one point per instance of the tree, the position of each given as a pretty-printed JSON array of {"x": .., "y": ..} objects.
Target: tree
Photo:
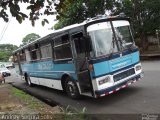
[
  {"x": 36, "y": 7},
  {"x": 145, "y": 17},
  {"x": 6, "y": 51},
  {"x": 29, "y": 38},
  {"x": 4, "y": 56},
  {"x": 144, "y": 14},
  {"x": 7, "y": 47},
  {"x": 76, "y": 11},
  {"x": 69, "y": 8}
]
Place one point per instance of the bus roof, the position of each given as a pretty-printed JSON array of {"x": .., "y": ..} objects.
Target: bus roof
[
  {"x": 47, "y": 36},
  {"x": 89, "y": 20}
]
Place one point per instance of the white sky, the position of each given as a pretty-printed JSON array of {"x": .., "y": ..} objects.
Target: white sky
[{"x": 16, "y": 32}]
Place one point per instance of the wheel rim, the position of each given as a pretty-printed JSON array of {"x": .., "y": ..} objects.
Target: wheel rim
[
  {"x": 71, "y": 88},
  {"x": 29, "y": 82}
]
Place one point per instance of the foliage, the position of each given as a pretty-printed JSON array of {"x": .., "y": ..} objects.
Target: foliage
[
  {"x": 29, "y": 38},
  {"x": 76, "y": 11},
  {"x": 36, "y": 7},
  {"x": 7, "y": 47},
  {"x": 71, "y": 114},
  {"x": 144, "y": 14},
  {"x": 69, "y": 8},
  {"x": 6, "y": 51},
  {"x": 4, "y": 56}
]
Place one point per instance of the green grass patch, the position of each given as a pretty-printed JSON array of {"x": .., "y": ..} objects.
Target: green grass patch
[
  {"x": 29, "y": 101},
  {"x": 20, "y": 94},
  {"x": 74, "y": 114},
  {"x": 32, "y": 103}
]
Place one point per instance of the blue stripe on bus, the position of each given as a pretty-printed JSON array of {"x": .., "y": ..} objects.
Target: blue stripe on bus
[
  {"x": 115, "y": 65},
  {"x": 50, "y": 76},
  {"x": 111, "y": 73},
  {"x": 41, "y": 69}
]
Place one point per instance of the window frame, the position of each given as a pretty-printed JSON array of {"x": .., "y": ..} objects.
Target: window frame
[
  {"x": 44, "y": 46},
  {"x": 22, "y": 56},
  {"x": 60, "y": 45},
  {"x": 27, "y": 51},
  {"x": 31, "y": 49}
]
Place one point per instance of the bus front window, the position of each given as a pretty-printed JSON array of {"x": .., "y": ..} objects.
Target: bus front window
[
  {"x": 102, "y": 38},
  {"x": 123, "y": 33}
]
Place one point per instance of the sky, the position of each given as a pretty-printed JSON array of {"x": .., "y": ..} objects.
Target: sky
[{"x": 15, "y": 31}]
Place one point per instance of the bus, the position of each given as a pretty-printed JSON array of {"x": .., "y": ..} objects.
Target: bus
[{"x": 94, "y": 58}]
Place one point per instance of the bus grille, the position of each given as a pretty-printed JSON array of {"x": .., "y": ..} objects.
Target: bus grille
[{"x": 123, "y": 75}]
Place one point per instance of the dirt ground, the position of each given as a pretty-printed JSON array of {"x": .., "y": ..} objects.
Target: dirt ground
[{"x": 14, "y": 101}]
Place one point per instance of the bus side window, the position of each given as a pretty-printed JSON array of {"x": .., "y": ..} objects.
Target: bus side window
[
  {"x": 34, "y": 52},
  {"x": 62, "y": 48},
  {"x": 28, "y": 56},
  {"x": 22, "y": 56},
  {"x": 46, "y": 51}
]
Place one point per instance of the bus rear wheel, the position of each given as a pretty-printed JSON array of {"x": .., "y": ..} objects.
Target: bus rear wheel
[{"x": 71, "y": 88}]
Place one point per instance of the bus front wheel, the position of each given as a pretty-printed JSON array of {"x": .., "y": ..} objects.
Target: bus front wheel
[{"x": 71, "y": 88}]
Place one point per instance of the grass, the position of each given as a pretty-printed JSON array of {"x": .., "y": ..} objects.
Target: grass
[
  {"x": 29, "y": 101},
  {"x": 70, "y": 114},
  {"x": 67, "y": 113}
]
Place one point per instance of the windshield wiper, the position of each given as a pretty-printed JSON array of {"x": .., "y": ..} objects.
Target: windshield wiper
[
  {"x": 124, "y": 45},
  {"x": 112, "y": 48},
  {"x": 121, "y": 43}
]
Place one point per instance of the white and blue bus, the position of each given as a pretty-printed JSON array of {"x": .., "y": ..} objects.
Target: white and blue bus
[{"x": 94, "y": 58}]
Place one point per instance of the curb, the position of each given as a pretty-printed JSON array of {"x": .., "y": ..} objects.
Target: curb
[
  {"x": 45, "y": 100},
  {"x": 155, "y": 56}
]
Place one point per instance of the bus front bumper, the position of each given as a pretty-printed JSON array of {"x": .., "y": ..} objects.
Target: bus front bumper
[{"x": 110, "y": 90}]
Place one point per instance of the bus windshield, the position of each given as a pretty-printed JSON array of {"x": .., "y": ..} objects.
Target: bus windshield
[
  {"x": 123, "y": 33},
  {"x": 102, "y": 38}
]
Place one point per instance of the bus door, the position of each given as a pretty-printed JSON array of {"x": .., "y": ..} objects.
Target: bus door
[{"x": 81, "y": 64}]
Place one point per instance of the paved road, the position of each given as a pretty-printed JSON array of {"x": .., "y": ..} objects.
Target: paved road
[{"x": 141, "y": 97}]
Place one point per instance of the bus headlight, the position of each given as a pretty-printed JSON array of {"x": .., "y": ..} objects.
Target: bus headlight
[
  {"x": 106, "y": 79},
  {"x": 138, "y": 67}
]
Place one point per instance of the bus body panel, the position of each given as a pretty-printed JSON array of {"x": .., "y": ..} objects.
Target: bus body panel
[
  {"x": 47, "y": 73},
  {"x": 116, "y": 87},
  {"x": 110, "y": 66},
  {"x": 121, "y": 71}
]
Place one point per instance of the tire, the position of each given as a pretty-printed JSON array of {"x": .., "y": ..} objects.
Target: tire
[
  {"x": 28, "y": 81},
  {"x": 71, "y": 88}
]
